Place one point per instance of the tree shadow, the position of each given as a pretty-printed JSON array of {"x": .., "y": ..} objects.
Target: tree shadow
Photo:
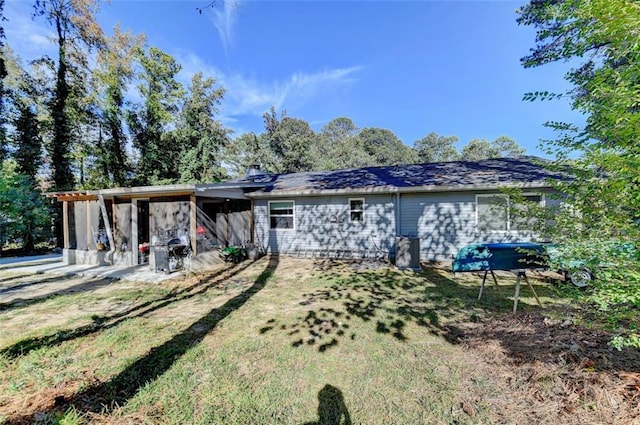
[
  {"x": 389, "y": 300},
  {"x": 85, "y": 285},
  {"x": 107, "y": 396},
  {"x": 530, "y": 338},
  {"x": 38, "y": 281},
  {"x": 18, "y": 276},
  {"x": 101, "y": 323},
  {"x": 331, "y": 408}
]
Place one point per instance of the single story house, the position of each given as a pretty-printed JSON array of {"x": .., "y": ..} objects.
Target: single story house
[{"x": 355, "y": 212}]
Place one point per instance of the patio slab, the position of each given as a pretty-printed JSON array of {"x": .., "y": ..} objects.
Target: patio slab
[{"x": 55, "y": 265}]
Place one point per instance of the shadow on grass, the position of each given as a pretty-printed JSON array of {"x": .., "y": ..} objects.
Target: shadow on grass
[
  {"x": 107, "y": 396},
  {"x": 389, "y": 300},
  {"x": 101, "y": 323},
  {"x": 38, "y": 281},
  {"x": 17, "y": 276},
  {"x": 331, "y": 408},
  {"x": 85, "y": 285},
  {"x": 532, "y": 338}
]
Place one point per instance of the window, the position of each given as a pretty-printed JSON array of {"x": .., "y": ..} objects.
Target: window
[
  {"x": 356, "y": 209},
  {"x": 281, "y": 214},
  {"x": 492, "y": 212},
  {"x": 496, "y": 212}
]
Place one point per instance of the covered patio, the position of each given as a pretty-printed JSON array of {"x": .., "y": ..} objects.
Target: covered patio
[{"x": 117, "y": 226}]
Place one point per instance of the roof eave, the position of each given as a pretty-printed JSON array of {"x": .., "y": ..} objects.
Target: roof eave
[
  {"x": 230, "y": 185},
  {"x": 395, "y": 189}
]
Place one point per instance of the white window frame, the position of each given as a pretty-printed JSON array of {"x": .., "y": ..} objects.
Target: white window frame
[
  {"x": 352, "y": 210},
  {"x": 508, "y": 212},
  {"x": 293, "y": 215}
]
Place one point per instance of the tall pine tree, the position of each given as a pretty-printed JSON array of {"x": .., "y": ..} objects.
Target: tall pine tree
[
  {"x": 114, "y": 73},
  {"x": 161, "y": 93},
  {"x": 199, "y": 136},
  {"x": 75, "y": 30}
]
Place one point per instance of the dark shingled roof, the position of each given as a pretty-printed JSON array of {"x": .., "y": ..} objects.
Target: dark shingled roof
[{"x": 457, "y": 175}]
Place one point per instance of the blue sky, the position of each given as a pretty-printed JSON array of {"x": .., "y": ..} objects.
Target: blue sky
[{"x": 413, "y": 67}]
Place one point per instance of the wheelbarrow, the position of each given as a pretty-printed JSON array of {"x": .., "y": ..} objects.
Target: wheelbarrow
[{"x": 234, "y": 254}]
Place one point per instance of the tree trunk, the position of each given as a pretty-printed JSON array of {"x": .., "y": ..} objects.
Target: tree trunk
[
  {"x": 28, "y": 244},
  {"x": 62, "y": 176}
]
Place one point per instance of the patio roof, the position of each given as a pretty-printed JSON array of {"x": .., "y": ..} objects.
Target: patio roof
[{"x": 212, "y": 190}]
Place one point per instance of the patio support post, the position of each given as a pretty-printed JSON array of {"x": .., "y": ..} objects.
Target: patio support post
[
  {"x": 193, "y": 224},
  {"x": 88, "y": 233},
  {"x": 107, "y": 225},
  {"x": 65, "y": 224},
  {"x": 134, "y": 232}
]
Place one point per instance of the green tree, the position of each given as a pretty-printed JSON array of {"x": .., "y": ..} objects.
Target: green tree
[
  {"x": 113, "y": 74},
  {"x": 603, "y": 201},
  {"x": 75, "y": 27},
  {"x": 248, "y": 150},
  {"x": 338, "y": 130},
  {"x": 436, "y": 148},
  {"x": 199, "y": 135},
  {"x": 28, "y": 216},
  {"x": 340, "y": 147},
  {"x": 26, "y": 138},
  {"x": 476, "y": 150},
  {"x": 75, "y": 31},
  {"x": 161, "y": 94},
  {"x": 384, "y": 147},
  {"x": 23, "y": 111},
  {"x": 26, "y": 88},
  {"x": 506, "y": 147},
  {"x": 292, "y": 142},
  {"x": 23, "y": 210},
  {"x": 3, "y": 74},
  {"x": 502, "y": 147}
]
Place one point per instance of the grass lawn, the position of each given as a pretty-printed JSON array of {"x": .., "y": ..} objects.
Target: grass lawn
[{"x": 292, "y": 341}]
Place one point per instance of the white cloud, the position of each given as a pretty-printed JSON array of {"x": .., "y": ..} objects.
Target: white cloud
[
  {"x": 224, "y": 18},
  {"x": 248, "y": 96},
  {"x": 28, "y": 37}
]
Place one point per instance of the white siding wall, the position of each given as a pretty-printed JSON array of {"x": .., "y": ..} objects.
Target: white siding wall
[{"x": 323, "y": 223}]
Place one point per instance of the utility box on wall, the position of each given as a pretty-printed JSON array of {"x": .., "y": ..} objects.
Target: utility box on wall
[{"x": 408, "y": 253}]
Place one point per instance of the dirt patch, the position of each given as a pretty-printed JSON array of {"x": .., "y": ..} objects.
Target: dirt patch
[
  {"x": 551, "y": 371},
  {"x": 45, "y": 400}
]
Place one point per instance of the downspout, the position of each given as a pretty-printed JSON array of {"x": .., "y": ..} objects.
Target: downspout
[
  {"x": 251, "y": 223},
  {"x": 226, "y": 215},
  {"x": 107, "y": 226},
  {"x": 397, "y": 214}
]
